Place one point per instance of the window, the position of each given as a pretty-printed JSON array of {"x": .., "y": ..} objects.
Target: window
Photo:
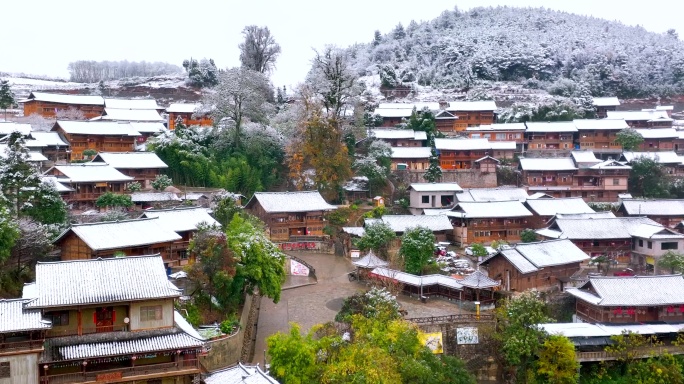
[
  {"x": 153, "y": 312},
  {"x": 595, "y": 244},
  {"x": 425, "y": 199},
  {"x": 58, "y": 318},
  {"x": 616, "y": 181},
  {"x": 641, "y": 243},
  {"x": 5, "y": 371},
  {"x": 650, "y": 245},
  {"x": 669, "y": 245}
]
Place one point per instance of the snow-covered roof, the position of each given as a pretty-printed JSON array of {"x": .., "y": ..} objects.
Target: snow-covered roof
[
  {"x": 88, "y": 173},
  {"x": 664, "y": 157},
  {"x": 649, "y": 231},
  {"x": 130, "y": 115},
  {"x": 643, "y": 115},
  {"x": 401, "y": 223},
  {"x": 354, "y": 231},
  {"x": 550, "y": 207},
  {"x": 182, "y": 108},
  {"x": 370, "y": 261},
  {"x": 584, "y": 157},
  {"x": 489, "y": 105},
  {"x": 436, "y": 187},
  {"x": 499, "y": 127},
  {"x": 181, "y": 219},
  {"x": 503, "y": 145},
  {"x": 489, "y": 209},
  {"x": 610, "y": 164},
  {"x": 130, "y": 160},
  {"x": 14, "y": 317},
  {"x": 531, "y": 257},
  {"x": 301, "y": 201},
  {"x": 631, "y": 290},
  {"x": 548, "y": 164},
  {"x": 356, "y": 184},
  {"x": 493, "y": 194},
  {"x": 132, "y": 104},
  {"x": 389, "y": 134},
  {"x": 551, "y": 126},
  {"x": 121, "y": 234},
  {"x": 664, "y": 108},
  {"x": 462, "y": 144},
  {"x": 110, "y": 280},
  {"x": 393, "y": 112},
  {"x": 594, "y": 215},
  {"x": 53, "y": 181},
  {"x": 606, "y": 101},
  {"x": 65, "y": 99},
  {"x": 240, "y": 374},
  {"x": 600, "y": 124},
  {"x": 658, "y": 207},
  {"x": 7, "y": 127},
  {"x": 595, "y": 228},
  {"x": 417, "y": 281},
  {"x": 147, "y": 127},
  {"x": 417, "y": 105},
  {"x": 33, "y": 156},
  {"x": 411, "y": 152},
  {"x": 148, "y": 197},
  {"x": 658, "y": 133},
  {"x": 96, "y": 128},
  {"x": 47, "y": 139}
]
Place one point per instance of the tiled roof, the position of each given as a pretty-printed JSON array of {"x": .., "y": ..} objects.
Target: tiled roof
[
  {"x": 664, "y": 157},
  {"x": 147, "y": 197},
  {"x": 181, "y": 219},
  {"x": 131, "y": 104},
  {"x": 370, "y": 261},
  {"x": 610, "y": 164},
  {"x": 632, "y": 290},
  {"x": 417, "y": 105},
  {"x": 411, "y": 152},
  {"x": 600, "y": 124},
  {"x": 130, "y": 115},
  {"x": 531, "y": 257},
  {"x": 647, "y": 115},
  {"x": 354, "y": 231},
  {"x": 7, "y": 127},
  {"x": 58, "y": 186},
  {"x": 598, "y": 228},
  {"x": 584, "y": 157},
  {"x": 489, "y": 209},
  {"x": 32, "y": 155},
  {"x": 606, "y": 101},
  {"x": 121, "y": 234},
  {"x": 595, "y": 215},
  {"x": 89, "y": 172},
  {"x": 302, "y": 201},
  {"x": 436, "y": 187},
  {"x": 388, "y": 134},
  {"x": 15, "y": 318},
  {"x": 499, "y": 127},
  {"x": 462, "y": 144},
  {"x": 45, "y": 139},
  {"x": 659, "y": 207},
  {"x": 492, "y": 194},
  {"x": 658, "y": 133},
  {"x": 111, "y": 280},
  {"x": 478, "y": 279},
  {"x": 417, "y": 281},
  {"x": 147, "y": 127},
  {"x": 551, "y": 126},
  {"x": 130, "y": 160},
  {"x": 648, "y": 231},
  {"x": 240, "y": 374},
  {"x": 401, "y": 223},
  {"x": 548, "y": 164},
  {"x": 66, "y": 99},
  {"x": 550, "y": 207},
  {"x": 182, "y": 108},
  {"x": 489, "y": 105},
  {"x": 96, "y": 128},
  {"x": 503, "y": 145}
]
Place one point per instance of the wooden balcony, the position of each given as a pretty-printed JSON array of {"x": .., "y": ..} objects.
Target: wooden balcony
[
  {"x": 644, "y": 352},
  {"x": 86, "y": 330},
  {"x": 129, "y": 374},
  {"x": 13, "y": 347}
]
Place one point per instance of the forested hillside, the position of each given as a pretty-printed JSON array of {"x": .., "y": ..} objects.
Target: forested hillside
[{"x": 534, "y": 46}]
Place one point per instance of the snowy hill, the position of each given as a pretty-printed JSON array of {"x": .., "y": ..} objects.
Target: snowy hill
[{"x": 534, "y": 48}]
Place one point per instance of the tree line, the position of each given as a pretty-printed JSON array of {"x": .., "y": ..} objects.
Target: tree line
[{"x": 90, "y": 71}]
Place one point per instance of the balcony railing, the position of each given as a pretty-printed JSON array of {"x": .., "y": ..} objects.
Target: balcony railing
[
  {"x": 113, "y": 375},
  {"x": 87, "y": 330},
  {"x": 20, "y": 345}
]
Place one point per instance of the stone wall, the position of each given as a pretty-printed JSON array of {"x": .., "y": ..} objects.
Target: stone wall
[{"x": 466, "y": 178}]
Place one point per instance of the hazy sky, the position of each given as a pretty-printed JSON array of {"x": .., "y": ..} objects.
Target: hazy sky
[{"x": 43, "y": 36}]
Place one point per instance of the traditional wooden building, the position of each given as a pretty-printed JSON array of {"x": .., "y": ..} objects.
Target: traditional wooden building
[
  {"x": 291, "y": 216},
  {"x": 141, "y": 115},
  {"x": 646, "y": 118},
  {"x": 432, "y": 196},
  {"x": 50, "y": 144},
  {"x": 671, "y": 162},
  {"x": 487, "y": 221},
  {"x": 438, "y": 224},
  {"x": 668, "y": 212},
  {"x": 143, "y": 167},
  {"x": 146, "y": 130},
  {"x": 605, "y": 104},
  {"x": 550, "y": 136},
  {"x": 445, "y": 121},
  {"x": 7, "y": 127},
  {"x": 410, "y": 158},
  {"x": 545, "y": 209},
  {"x": 48, "y": 104},
  {"x": 598, "y": 135},
  {"x": 658, "y": 139},
  {"x": 395, "y": 113},
  {"x": 97, "y": 136},
  {"x": 88, "y": 181},
  {"x": 493, "y": 194},
  {"x": 472, "y": 113},
  {"x": 112, "y": 321},
  {"x": 630, "y": 299},
  {"x": 129, "y": 237},
  {"x": 500, "y": 132},
  {"x": 463, "y": 153},
  {"x": 190, "y": 115},
  {"x": 400, "y": 137},
  {"x": 541, "y": 266}
]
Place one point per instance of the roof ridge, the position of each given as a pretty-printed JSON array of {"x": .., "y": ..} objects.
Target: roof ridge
[
  {"x": 98, "y": 259},
  {"x": 112, "y": 222}
]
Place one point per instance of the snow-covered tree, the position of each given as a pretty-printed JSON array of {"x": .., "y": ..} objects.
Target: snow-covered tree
[
  {"x": 259, "y": 51},
  {"x": 333, "y": 80},
  {"x": 434, "y": 172},
  {"x": 6, "y": 96}
]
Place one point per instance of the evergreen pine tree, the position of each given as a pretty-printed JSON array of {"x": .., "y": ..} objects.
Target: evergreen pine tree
[
  {"x": 434, "y": 172},
  {"x": 6, "y": 96}
]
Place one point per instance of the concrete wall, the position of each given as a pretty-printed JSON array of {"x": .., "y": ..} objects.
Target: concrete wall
[
  {"x": 226, "y": 352},
  {"x": 23, "y": 369},
  {"x": 466, "y": 178}
]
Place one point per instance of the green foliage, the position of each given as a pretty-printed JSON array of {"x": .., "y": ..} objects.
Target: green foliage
[
  {"x": 648, "y": 179},
  {"x": 376, "y": 303},
  {"x": 9, "y": 234},
  {"x": 226, "y": 208},
  {"x": 201, "y": 73},
  {"x": 134, "y": 187},
  {"x": 119, "y": 254},
  {"x": 46, "y": 206},
  {"x": 339, "y": 217},
  {"x": 557, "y": 364},
  {"x": 193, "y": 315},
  {"x": 293, "y": 357},
  {"x": 377, "y": 237},
  {"x": 479, "y": 250},
  {"x": 434, "y": 172},
  {"x": 229, "y": 326},
  {"x": 161, "y": 182},
  {"x": 629, "y": 139},
  {"x": 629, "y": 346},
  {"x": 6, "y": 96},
  {"x": 417, "y": 248},
  {"x": 110, "y": 199},
  {"x": 672, "y": 261},
  {"x": 528, "y": 236},
  {"x": 499, "y": 244},
  {"x": 376, "y": 212},
  {"x": 89, "y": 153}
]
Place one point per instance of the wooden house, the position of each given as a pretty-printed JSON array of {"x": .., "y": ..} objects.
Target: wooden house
[
  {"x": 646, "y": 118},
  {"x": 410, "y": 158},
  {"x": 112, "y": 321},
  {"x": 658, "y": 139},
  {"x": 599, "y": 135},
  {"x": 189, "y": 114},
  {"x": 541, "y": 266},
  {"x": 143, "y": 167},
  {"x": 671, "y": 162},
  {"x": 605, "y": 104},
  {"x": 472, "y": 113},
  {"x": 130, "y": 237},
  {"x": 486, "y": 164},
  {"x": 487, "y": 221},
  {"x": 668, "y": 212},
  {"x": 146, "y": 130},
  {"x": 395, "y": 113},
  {"x": 48, "y": 104},
  {"x": 50, "y": 144},
  {"x": 630, "y": 299},
  {"x": 445, "y": 121},
  {"x": 500, "y": 132},
  {"x": 99, "y": 136},
  {"x": 155, "y": 199},
  {"x": 7, "y": 127},
  {"x": 358, "y": 188},
  {"x": 463, "y": 153},
  {"x": 140, "y": 115},
  {"x": 545, "y": 209},
  {"x": 291, "y": 216},
  {"x": 88, "y": 181},
  {"x": 432, "y": 196},
  {"x": 550, "y": 136},
  {"x": 493, "y": 194},
  {"x": 400, "y": 137}
]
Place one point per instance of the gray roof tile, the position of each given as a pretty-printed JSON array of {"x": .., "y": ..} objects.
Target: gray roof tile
[
  {"x": 15, "y": 318},
  {"x": 632, "y": 290},
  {"x": 303, "y": 201}
]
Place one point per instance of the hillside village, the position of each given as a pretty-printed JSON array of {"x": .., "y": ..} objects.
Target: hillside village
[{"x": 248, "y": 234}]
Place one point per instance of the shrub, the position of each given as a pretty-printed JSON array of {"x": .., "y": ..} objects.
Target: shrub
[{"x": 229, "y": 326}]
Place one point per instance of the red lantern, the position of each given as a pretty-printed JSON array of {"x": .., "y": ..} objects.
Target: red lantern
[
  {"x": 681, "y": 308},
  {"x": 670, "y": 309},
  {"x": 617, "y": 311},
  {"x": 630, "y": 311}
]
